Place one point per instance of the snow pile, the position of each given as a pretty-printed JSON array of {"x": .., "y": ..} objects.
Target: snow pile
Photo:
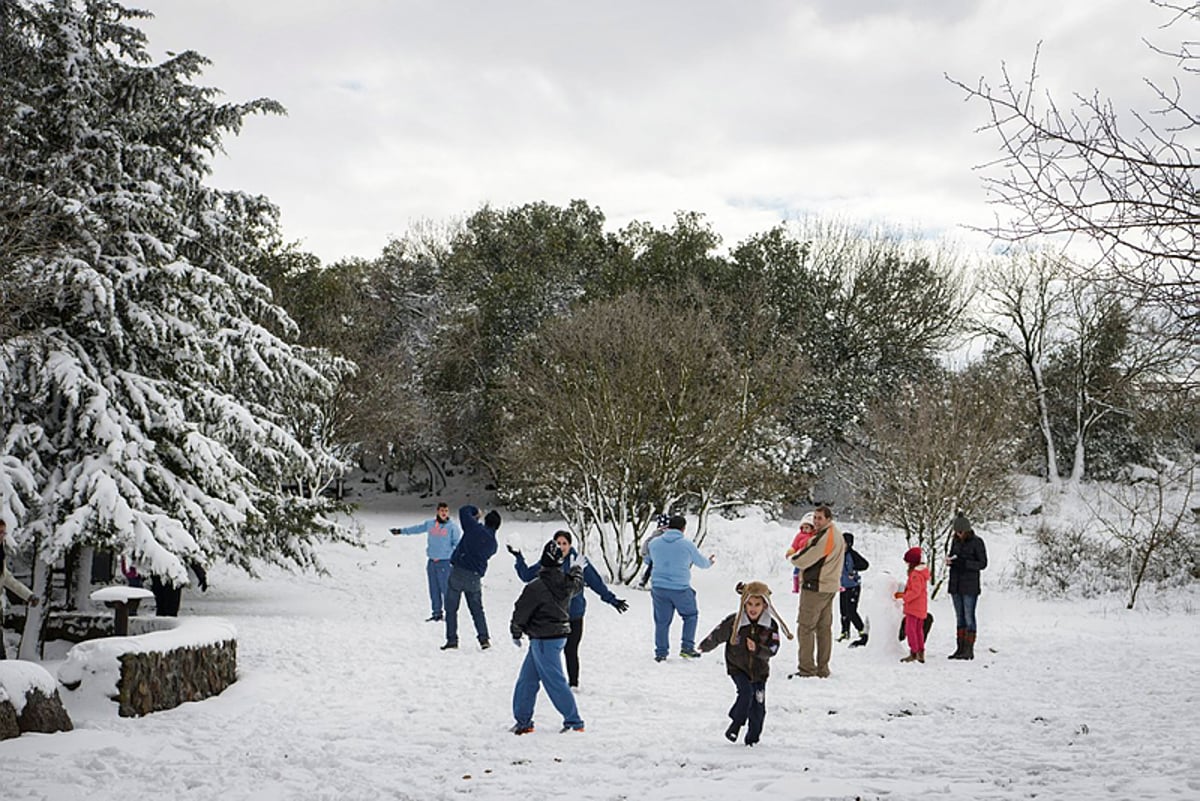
[{"x": 18, "y": 678}]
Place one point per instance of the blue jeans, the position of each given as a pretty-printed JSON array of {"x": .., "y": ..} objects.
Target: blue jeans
[
  {"x": 750, "y": 704},
  {"x": 438, "y": 573},
  {"x": 543, "y": 666},
  {"x": 464, "y": 582},
  {"x": 666, "y": 604},
  {"x": 964, "y": 611}
]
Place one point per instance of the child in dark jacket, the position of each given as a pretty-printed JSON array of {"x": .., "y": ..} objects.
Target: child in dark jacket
[{"x": 751, "y": 637}]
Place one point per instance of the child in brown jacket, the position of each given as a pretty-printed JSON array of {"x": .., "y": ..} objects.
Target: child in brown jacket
[{"x": 751, "y": 637}]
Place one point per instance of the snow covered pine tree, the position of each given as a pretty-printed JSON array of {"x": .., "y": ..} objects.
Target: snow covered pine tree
[{"x": 151, "y": 402}]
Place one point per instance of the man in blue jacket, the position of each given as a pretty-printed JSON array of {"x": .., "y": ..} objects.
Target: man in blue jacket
[
  {"x": 671, "y": 588},
  {"x": 468, "y": 563},
  {"x": 443, "y": 535},
  {"x": 572, "y": 558}
]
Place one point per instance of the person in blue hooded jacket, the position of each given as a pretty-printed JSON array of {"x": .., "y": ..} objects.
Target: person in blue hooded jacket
[
  {"x": 572, "y": 558},
  {"x": 468, "y": 563},
  {"x": 671, "y": 588},
  {"x": 442, "y": 537}
]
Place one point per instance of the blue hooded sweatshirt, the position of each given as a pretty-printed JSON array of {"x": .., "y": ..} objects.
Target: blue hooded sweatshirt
[
  {"x": 673, "y": 557},
  {"x": 478, "y": 543},
  {"x": 591, "y": 578}
]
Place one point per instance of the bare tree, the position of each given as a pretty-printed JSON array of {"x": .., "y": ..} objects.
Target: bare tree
[
  {"x": 1122, "y": 181},
  {"x": 632, "y": 406},
  {"x": 1158, "y": 528},
  {"x": 1025, "y": 301},
  {"x": 939, "y": 446}
]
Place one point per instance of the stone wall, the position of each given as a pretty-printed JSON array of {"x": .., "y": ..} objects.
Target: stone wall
[{"x": 153, "y": 681}]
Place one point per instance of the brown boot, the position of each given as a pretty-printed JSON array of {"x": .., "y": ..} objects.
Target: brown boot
[
  {"x": 921, "y": 657},
  {"x": 969, "y": 646},
  {"x": 962, "y": 643},
  {"x": 912, "y": 657}
]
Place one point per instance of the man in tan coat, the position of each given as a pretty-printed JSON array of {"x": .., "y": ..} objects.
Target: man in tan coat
[{"x": 820, "y": 564}]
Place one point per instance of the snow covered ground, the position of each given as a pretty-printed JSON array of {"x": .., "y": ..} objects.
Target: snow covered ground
[{"x": 343, "y": 694}]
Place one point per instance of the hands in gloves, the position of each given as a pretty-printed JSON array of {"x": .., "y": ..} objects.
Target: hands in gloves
[
  {"x": 621, "y": 605},
  {"x": 512, "y": 550}
]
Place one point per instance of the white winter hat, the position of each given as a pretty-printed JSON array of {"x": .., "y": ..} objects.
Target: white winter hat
[{"x": 808, "y": 520}]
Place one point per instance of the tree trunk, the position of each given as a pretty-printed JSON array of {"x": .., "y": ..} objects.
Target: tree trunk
[
  {"x": 35, "y": 616},
  {"x": 1044, "y": 425}
]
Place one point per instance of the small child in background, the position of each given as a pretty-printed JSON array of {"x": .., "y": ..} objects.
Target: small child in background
[
  {"x": 916, "y": 604},
  {"x": 751, "y": 637},
  {"x": 807, "y": 530}
]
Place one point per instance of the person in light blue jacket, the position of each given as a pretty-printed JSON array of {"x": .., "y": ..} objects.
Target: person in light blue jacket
[
  {"x": 443, "y": 535},
  {"x": 591, "y": 578},
  {"x": 671, "y": 588}
]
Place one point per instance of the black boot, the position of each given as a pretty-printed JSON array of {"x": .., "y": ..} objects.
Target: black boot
[{"x": 962, "y": 643}]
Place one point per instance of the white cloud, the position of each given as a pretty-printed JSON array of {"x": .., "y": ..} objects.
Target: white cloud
[{"x": 400, "y": 111}]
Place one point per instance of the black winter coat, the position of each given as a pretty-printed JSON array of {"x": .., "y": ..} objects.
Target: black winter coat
[
  {"x": 739, "y": 658},
  {"x": 970, "y": 556},
  {"x": 542, "y": 611}
]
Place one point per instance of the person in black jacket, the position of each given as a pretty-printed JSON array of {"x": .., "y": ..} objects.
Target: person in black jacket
[
  {"x": 541, "y": 613},
  {"x": 967, "y": 557},
  {"x": 751, "y": 638}
]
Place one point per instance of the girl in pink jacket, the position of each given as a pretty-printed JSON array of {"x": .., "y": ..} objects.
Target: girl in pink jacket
[{"x": 916, "y": 604}]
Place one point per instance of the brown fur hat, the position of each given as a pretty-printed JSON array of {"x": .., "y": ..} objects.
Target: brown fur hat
[{"x": 759, "y": 588}]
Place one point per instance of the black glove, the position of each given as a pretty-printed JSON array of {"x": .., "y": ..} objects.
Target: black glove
[
  {"x": 620, "y": 605},
  {"x": 512, "y": 550},
  {"x": 517, "y": 642}
]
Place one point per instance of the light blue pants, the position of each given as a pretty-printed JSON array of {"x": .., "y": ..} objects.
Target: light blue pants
[
  {"x": 543, "y": 666},
  {"x": 438, "y": 573},
  {"x": 666, "y": 604}
]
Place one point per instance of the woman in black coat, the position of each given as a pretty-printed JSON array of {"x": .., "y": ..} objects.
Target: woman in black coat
[{"x": 967, "y": 557}]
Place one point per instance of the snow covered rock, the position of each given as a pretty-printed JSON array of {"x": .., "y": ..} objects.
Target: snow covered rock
[{"x": 29, "y": 700}]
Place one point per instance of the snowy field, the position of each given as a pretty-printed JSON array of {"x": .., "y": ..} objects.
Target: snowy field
[{"x": 343, "y": 694}]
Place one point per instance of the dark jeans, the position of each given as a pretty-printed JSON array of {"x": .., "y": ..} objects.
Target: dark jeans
[
  {"x": 464, "y": 582},
  {"x": 964, "y": 611},
  {"x": 848, "y": 602},
  {"x": 572, "y": 651},
  {"x": 750, "y": 705}
]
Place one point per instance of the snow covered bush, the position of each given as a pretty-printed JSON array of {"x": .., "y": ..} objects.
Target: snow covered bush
[{"x": 1068, "y": 562}]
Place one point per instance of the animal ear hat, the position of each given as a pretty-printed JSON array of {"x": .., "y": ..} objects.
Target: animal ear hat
[{"x": 747, "y": 589}]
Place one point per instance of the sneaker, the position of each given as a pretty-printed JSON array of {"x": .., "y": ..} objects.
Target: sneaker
[
  {"x": 450, "y": 646},
  {"x": 845, "y": 635},
  {"x": 689, "y": 653},
  {"x": 566, "y": 729},
  {"x": 731, "y": 734},
  {"x": 660, "y": 659},
  {"x": 485, "y": 644},
  {"x": 861, "y": 641},
  {"x": 522, "y": 729},
  {"x": 751, "y": 743},
  {"x": 433, "y": 619}
]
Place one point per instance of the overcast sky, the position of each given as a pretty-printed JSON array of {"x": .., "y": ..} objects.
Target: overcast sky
[{"x": 748, "y": 111}]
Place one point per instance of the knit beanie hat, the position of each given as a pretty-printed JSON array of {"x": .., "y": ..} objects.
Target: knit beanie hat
[
  {"x": 808, "y": 520},
  {"x": 552, "y": 555},
  {"x": 492, "y": 520},
  {"x": 751, "y": 588},
  {"x": 961, "y": 523},
  {"x": 849, "y": 538},
  {"x": 913, "y": 556}
]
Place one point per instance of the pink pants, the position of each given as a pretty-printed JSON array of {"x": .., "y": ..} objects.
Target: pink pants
[{"x": 914, "y": 629}]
